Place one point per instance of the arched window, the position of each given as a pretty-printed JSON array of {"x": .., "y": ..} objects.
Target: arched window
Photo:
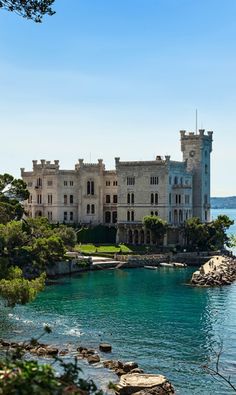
[
  {"x": 152, "y": 198},
  {"x": 114, "y": 217},
  {"x": 88, "y": 208},
  {"x": 132, "y": 215},
  {"x": 132, "y": 198},
  {"x": 176, "y": 180},
  {"x": 128, "y": 198},
  {"x": 151, "y": 213},
  {"x": 88, "y": 188},
  {"x": 156, "y": 213},
  {"x": 156, "y": 198},
  {"x": 93, "y": 209},
  {"x": 107, "y": 217},
  {"x": 128, "y": 215},
  {"x": 92, "y": 187},
  {"x": 39, "y": 182}
]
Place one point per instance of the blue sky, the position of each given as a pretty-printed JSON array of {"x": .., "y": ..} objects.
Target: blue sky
[{"x": 106, "y": 78}]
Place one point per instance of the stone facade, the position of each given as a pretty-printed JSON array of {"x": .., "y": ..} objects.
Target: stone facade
[{"x": 90, "y": 194}]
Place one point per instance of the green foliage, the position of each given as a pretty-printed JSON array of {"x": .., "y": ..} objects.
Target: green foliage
[
  {"x": 67, "y": 235},
  {"x": 97, "y": 234},
  {"x": 207, "y": 236},
  {"x": 156, "y": 225},
  {"x": 12, "y": 193},
  {"x": 30, "y": 9},
  {"x": 18, "y": 290}
]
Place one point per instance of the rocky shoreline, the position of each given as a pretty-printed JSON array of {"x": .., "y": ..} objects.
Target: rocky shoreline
[
  {"x": 218, "y": 271},
  {"x": 133, "y": 380}
]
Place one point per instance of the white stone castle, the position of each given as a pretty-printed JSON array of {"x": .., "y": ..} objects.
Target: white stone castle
[{"x": 90, "y": 194}]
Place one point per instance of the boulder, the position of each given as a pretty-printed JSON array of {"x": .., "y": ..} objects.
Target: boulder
[
  {"x": 52, "y": 351},
  {"x": 93, "y": 358},
  {"x": 144, "y": 384},
  {"x": 137, "y": 370},
  {"x": 128, "y": 366},
  {"x": 105, "y": 347},
  {"x": 41, "y": 351}
]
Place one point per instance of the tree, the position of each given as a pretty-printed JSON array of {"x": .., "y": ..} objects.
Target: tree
[
  {"x": 207, "y": 236},
  {"x": 12, "y": 193},
  {"x": 30, "y": 9},
  {"x": 157, "y": 226},
  {"x": 67, "y": 234}
]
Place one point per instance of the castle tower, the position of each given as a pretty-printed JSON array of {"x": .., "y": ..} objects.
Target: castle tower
[{"x": 196, "y": 149}]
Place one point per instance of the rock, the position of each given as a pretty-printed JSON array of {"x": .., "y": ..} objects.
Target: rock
[
  {"x": 90, "y": 351},
  {"x": 80, "y": 349},
  {"x": 128, "y": 366},
  {"x": 41, "y": 351},
  {"x": 52, "y": 351},
  {"x": 5, "y": 343},
  {"x": 137, "y": 370},
  {"x": 113, "y": 365},
  {"x": 63, "y": 352},
  {"x": 144, "y": 384},
  {"x": 93, "y": 358},
  {"x": 105, "y": 347}
]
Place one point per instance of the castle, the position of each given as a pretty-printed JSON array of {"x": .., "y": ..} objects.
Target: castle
[{"x": 90, "y": 194}]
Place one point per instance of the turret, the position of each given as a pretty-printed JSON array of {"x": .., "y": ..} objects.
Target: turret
[{"x": 196, "y": 149}]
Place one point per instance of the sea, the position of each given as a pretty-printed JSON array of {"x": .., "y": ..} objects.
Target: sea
[{"x": 152, "y": 317}]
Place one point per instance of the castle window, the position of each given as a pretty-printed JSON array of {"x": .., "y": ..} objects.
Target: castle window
[
  {"x": 179, "y": 199},
  {"x": 88, "y": 188},
  {"x": 176, "y": 199},
  {"x": 170, "y": 219},
  {"x": 170, "y": 180},
  {"x": 39, "y": 199},
  {"x": 130, "y": 180},
  {"x": 156, "y": 213},
  {"x": 71, "y": 216},
  {"x": 152, "y": 198},
  {"x": 65, "y": 199},
  {"x": 71, "y": 199},
  {"x": 206, "y": 169},
  {"x": 169, "y": 198},
  {"x": 128, "y": 215},
  {"x": 132, "y": 198},
  {"x": 50, "y": 215},
  {"x": 92, "y": 209},
  {"x": 108, "y": 199},
  {"x": 65, "y": 183},
  {"x": 65, "y": 216},
  {"x": 181, "y": 180},
  {"x": 71, "y": 183},
  {"x": 88, "y": 208},
  {"x": 39, "y": 182},
  {"x": 176, "y": 180},
  {"x": 108, "y": 183},
  {"x": 154, "y": 180},
  {"x": 132, "y": 215},
  {"x": 152, "y": 213},
  {"x": 50, "y": 198},
  {"x": 187, "y": 199},
  {"x": 92, "y": 187},
  {"x": 128, "y": 198},
  {"x": 156, "y": 198},
  {"x": 114, "y": 198},
  {"x": 115, "y": 183},
  {"x": 49, "y": 183},
  {"x": 206, "y": 215},
  {"x": 114, "y": 217},
  {"x": 107, "y": 217}
]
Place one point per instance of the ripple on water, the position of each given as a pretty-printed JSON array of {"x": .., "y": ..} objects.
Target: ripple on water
[{"x": 148, "y": 316}]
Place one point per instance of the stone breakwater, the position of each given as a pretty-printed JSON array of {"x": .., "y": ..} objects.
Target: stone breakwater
[
  {"x": 217, "y": 271},
  {"x": 133, "y": 380}
]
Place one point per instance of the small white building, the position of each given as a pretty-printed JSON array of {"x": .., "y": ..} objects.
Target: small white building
[{"x": 90, "y": 194}]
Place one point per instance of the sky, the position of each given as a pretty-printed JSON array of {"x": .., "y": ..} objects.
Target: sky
[{"x": 118, "y": 78}]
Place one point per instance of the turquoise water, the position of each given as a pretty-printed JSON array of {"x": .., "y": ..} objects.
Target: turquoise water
[{"x": 149, "y": 316}]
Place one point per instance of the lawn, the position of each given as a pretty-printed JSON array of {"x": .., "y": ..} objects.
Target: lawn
[{"x": 109, "y": 249}]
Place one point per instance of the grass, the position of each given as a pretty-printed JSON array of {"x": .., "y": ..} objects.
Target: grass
[{"x": 110, "y": 249}]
